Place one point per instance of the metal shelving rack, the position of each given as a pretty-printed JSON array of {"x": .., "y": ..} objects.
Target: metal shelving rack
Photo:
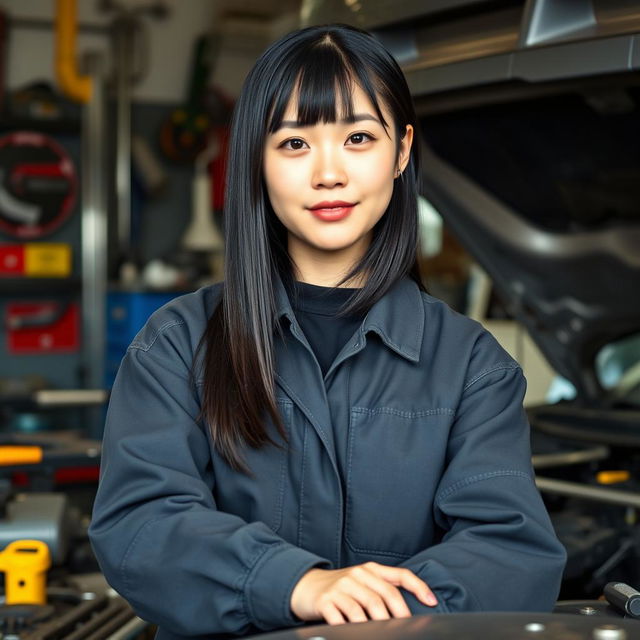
[{"x": 91, "y": 284}]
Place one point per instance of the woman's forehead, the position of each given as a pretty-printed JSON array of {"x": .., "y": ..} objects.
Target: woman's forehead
[{"x": 359, "y": 103}]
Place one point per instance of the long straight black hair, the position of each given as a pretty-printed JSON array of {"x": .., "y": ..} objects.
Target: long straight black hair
[{"x": 320, "y": 65}]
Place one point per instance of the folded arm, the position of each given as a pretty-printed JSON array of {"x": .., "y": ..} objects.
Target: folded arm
[
  {"x": 159, "y": 538},
  {"x": 498, "y": 550}
]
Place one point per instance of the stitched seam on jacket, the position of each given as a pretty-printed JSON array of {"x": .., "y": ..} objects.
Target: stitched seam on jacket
[
  {"x": 349, "y": 505},
  {"x": 141, "y": 346},
  {"x": 345, "y": 505},
  {"x": 239, "y": 583},
  {"x": 303, "y": 405},
  {"x": 248, "y": 580},
  {"x": 440, "y": 411},
  {"x": 283, "y": 468},
  {"x": 302, "y": 472},
  {"x": 377, "y": 552},
  {"x": 125, "y": 581},
  {"x": 465, "y": 482},
  {"x": 486, "y": 372}
]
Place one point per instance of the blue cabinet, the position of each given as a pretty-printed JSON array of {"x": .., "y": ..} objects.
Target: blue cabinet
[{"x": 127, "y": 311}]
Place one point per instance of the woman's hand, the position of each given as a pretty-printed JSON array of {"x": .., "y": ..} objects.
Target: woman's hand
[{"x": 356, "y": 594}]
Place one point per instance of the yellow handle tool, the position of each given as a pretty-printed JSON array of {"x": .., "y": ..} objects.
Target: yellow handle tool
[
  {"x": 25, "y": 564},
  {"x": 29, "y": 454}
]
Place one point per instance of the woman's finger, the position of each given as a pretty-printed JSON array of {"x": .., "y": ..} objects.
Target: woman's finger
[
  {"x": 406, "y": 579},
  {"x": 331, "y": 614},
  {"x": 364, "y": 587},
  {"x": 349, "y": 608},
  {"x": 391, "y": 596}
]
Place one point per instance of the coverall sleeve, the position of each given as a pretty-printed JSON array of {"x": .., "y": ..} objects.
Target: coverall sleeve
[
  {"x": 498, "y": 551},
  {"x": 158, "y": 536}
]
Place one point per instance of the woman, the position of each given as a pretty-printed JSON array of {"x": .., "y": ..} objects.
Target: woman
[{"x": 317, "y": 439}]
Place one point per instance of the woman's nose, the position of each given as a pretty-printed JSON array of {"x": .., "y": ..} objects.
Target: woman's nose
[{"x": 329, "y": 170}]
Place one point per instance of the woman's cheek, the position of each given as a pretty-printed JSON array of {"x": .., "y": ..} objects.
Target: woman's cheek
[
  {"x": 378, "y": 174},
  {"x": 290, "y": 177},
  {"x": 279, "y": 179},
  {"x": 380, "y": 182}
]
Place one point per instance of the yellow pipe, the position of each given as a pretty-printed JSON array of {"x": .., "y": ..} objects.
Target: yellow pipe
[{"x": 72, "y": 84}]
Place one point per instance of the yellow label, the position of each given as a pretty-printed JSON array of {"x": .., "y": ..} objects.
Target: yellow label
[{"x": 47, "y": 260}]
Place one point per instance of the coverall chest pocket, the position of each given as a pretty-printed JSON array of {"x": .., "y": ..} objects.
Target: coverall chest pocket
[
  {"x": 394, "y": 462},
  {"x": 258, "y": 496}
]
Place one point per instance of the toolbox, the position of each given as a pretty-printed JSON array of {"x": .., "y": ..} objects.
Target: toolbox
[{"x": 127, "y": 311}]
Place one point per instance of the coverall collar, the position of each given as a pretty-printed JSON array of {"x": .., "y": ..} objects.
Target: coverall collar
[{"x": 387, "y": 318}]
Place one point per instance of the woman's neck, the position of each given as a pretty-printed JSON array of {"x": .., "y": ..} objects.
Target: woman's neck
[
  {"x": 324, "y": 281},
  {"x": 326, "y": 268}
]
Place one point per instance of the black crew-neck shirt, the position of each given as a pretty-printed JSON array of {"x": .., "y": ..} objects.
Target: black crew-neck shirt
[{"x": 316, "y": 310}]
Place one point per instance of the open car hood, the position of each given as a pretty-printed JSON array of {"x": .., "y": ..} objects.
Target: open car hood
[
  {"x": 530, "y": 115},
  {"x": 545, "y": 194}
]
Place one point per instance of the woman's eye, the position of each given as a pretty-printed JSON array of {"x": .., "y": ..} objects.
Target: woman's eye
[
  {"x": 359, "y": 138},
  {"x": 294, "y": 143}
]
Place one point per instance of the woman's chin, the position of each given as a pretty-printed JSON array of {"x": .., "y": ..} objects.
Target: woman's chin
[{"x": 337, "y": 240}]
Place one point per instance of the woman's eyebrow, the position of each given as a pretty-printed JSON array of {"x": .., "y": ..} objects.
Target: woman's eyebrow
[{"x": 357, "y": 117}]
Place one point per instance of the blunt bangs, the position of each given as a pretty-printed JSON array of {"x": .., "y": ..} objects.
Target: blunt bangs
[{"x": 320, "y": 77}]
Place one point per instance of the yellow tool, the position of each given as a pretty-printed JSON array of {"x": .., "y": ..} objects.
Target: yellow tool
[
  {"x": 25, "y": 564},
  {"x": 612, "y": 477},
  {"x": 16, "y": 454}
]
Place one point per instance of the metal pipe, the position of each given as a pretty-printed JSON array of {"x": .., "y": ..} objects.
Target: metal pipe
[
  {"x": 94, "y": 238},
  {"x": 70, "y": 397},
  {"x": 547, "y": 460},
  {"x": 44, "y": 24},
  {"x": 131, "y": 629},
  {"x": 71, "y": 82},
  {"x": 588, "y": 492},
  {"x": 122, "y": 42}
]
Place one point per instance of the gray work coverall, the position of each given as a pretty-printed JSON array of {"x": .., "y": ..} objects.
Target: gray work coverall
[{"x": 413, "y": 451}]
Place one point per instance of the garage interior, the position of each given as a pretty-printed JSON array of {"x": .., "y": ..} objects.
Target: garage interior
[{"x": 114, "y": 123}]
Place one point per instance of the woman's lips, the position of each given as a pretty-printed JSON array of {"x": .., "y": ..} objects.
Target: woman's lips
[{"x": 332, "y": 214}]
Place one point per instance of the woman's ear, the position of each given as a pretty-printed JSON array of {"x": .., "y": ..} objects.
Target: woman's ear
[{"x": 405, "y": 149}]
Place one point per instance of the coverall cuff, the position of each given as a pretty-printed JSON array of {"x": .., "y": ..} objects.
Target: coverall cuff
[{"x": 271, "y": 581}]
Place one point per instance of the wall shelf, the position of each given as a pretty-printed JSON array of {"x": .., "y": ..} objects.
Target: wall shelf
[
  {"x": 39, "y": 286},
  {"x": 63, "y": 126}
]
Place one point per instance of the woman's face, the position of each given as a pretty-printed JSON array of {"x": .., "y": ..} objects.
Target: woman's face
[{"x": 330, "y": 183}]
